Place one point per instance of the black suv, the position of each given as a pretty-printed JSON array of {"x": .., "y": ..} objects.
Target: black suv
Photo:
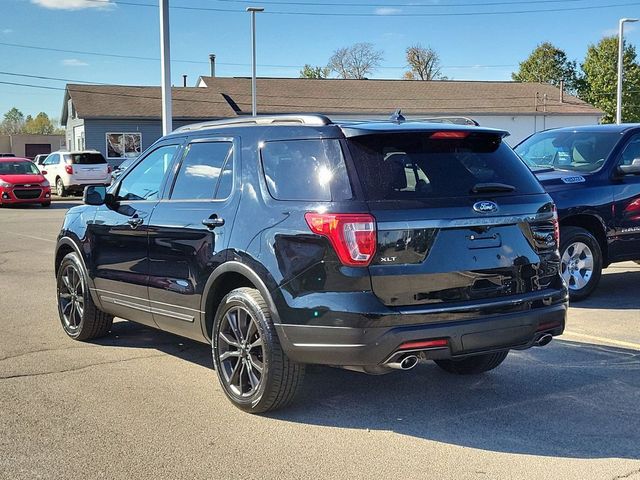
[
  {"x": 593, "y": 175},
  {"x": 289, "y": 240}
]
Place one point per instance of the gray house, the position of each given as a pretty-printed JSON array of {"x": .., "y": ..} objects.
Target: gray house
[{"x": 122, "y": 121}]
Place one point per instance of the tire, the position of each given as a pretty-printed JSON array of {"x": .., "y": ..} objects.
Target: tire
[
  {"x": 243, "y": 341},
  {"x": 46, "y": 204},
  {"x": 473, "y": 365},
  {"x": 80, "y": 317},
  {"x": 579, "y": 248},
  {"x": 61, "y": 191}
]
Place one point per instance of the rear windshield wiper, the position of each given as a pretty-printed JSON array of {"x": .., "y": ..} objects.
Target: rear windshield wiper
[{"x": 492, "y": 187}]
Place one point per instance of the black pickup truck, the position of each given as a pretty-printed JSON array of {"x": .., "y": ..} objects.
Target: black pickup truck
[{"x": 593, "y": 175}]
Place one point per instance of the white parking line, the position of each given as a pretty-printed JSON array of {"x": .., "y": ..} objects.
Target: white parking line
[
  {"x": 31, "y": 236},
  {"x": 610, "y": 341}
]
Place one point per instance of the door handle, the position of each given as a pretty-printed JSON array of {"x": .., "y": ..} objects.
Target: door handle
[
  {"x": 135, "y": 222},
  {"x": 213, "y": 221}
]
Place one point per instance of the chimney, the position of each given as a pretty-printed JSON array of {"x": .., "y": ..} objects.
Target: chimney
[
  {"x": 184, "y": 80},
  {"x": 212, "y": 60},
  {"x": 561, "y": 91}
]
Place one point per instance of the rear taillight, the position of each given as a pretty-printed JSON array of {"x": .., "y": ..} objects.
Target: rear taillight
[
  {"x": 353, "y": 236},
  {"x": 556, "y": 227},
  {"x": 68, "y": 169}
]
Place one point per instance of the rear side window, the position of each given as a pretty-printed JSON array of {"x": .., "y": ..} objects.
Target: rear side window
[
  {"x": 307, "y": 170},
  {"x": 205, "y": 172},
  {"x": 84, "y": 158},
  {"x": 413, "y": 166}
]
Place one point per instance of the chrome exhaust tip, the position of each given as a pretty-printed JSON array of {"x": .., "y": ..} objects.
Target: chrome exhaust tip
[
  {"x": 543, "y": 340},
  {"x": 405, "y": 363}
]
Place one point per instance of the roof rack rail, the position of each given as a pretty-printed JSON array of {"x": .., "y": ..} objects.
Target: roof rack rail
[
  {"x": 311, "y": 119},
  {"x": 455, "y": 120}
]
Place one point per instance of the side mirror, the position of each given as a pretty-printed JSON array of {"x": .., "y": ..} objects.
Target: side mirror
[
  {"x": 95, "y": 195},
  {"x": 43, "y": 172},
  {"x": 633, "y": 169}
]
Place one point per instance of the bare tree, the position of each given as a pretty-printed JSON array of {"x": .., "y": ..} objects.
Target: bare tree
[
  {"x": 424, "y": 63},
  {"x": 356, "y": 61}
]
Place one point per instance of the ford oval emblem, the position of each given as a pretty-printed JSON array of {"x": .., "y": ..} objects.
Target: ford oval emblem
[{"x": 485, "y": 207}]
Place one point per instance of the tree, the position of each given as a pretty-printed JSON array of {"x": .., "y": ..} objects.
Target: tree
[
  {"x": 310, "y": 71},
  {"x": 13, "y": 122},
  {"x": 598, "y": 87},
  {"x": 356, "y": 61},
  {"x": 40, "y": 125},
  {"x": 424, "y": 63},
  {"x": 548, "y": 64}
]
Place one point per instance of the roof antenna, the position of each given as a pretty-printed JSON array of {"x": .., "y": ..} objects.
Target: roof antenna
[{"x": 397, "y": 116}]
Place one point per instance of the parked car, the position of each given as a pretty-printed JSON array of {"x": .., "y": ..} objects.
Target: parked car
[
  {"x": 39, "y": 160},
  {"x": 21, "y": 182},
  {"x": 70, "y": 172},
  {"x": 593, "y": 175},
  {"x": 119, "y": 170},
  {"x": 369, "y": 246}
]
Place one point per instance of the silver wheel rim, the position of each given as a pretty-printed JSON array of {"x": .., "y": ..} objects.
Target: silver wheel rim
[
  {"x": 59, "y": 187},
  {"x": 71, "y": 298},
  {"x": 577, "y": 265},
  {"x": 240, "y": 352}
]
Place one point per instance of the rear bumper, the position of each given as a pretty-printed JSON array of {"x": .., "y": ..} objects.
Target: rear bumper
[
  {"x": 351, "y": 346},
  {"x": 77, "y": 184},
  {"x": 10, "y": 197}
]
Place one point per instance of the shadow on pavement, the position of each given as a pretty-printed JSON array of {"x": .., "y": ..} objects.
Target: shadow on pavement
[
  {"x": 55, "y": 205},
  {"x": 567, "y": 399},
  {"x": 616, "y": 291}
]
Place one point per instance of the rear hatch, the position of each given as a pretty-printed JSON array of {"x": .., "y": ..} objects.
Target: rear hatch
[
  {"x": 87, "y": 166},
  {"x": 459, "y": 217}
]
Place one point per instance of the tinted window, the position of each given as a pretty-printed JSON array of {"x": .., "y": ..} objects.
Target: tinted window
[
  {"x": 562, "y": 150},
  {"x": 416, "y": 166},
  {"x": 201, "y": 171},
  {"x": 144, "y": 180},
  {"x": 312, "y": 170},
  {"x": 631, "y": 151},
  {"x": 85, "y": 158}
]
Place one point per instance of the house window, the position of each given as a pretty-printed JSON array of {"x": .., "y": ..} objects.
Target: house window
[{"x": 124, "y": 145}]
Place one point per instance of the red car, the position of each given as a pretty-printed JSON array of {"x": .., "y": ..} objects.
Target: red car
[{"x": 21, "y": 182}]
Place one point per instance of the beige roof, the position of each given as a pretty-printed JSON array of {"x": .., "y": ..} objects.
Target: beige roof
[
  {"x": 117, "y": 101},
  {"x": 229, "y": 97},
  {"x": 333, "y": 96}
]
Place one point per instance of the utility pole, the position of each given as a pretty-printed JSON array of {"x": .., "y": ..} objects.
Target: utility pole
[
  {"x": 620, "y": 66},
  {"x": 165, "y": 66},
  {"x": 254, "y": 99}
]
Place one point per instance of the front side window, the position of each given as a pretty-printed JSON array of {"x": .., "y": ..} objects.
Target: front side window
[
  {"x": 143, "y": 182},
  {"x": 205, "y": 172},
  {"x": 631, "y": 152},
  {"x": 307, "y": 170},
  {"x": 567, "y": 150}
]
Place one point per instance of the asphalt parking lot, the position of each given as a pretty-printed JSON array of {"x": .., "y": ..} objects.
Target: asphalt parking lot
[{"x": 144, "y": 404}]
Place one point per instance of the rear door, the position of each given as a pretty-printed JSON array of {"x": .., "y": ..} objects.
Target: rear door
[
  {"x": 626, "y": 195},
  {"x": 51, "y": 166},
  {"x": 189, "y": 232},
  {"x": 459, "y": 218},
  {"x": 87, "y": 166}
]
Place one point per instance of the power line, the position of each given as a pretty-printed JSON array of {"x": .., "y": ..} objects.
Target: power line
[
  {"x": 389, "y": 14},
  {"x": 348, "y": 4},
  {"x": 136, "y": 57}
]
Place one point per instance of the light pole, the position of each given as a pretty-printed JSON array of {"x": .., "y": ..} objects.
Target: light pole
[
  {"x": 254, "y": 101},
  {"x": 620, "y": 66},
  {"x": 165, "y": 66}
]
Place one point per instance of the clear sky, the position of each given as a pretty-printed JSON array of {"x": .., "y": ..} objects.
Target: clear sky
[{"x": 476, "y": 40}]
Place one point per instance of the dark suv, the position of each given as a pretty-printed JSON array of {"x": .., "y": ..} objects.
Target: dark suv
[{"x": 289, "y": 240}]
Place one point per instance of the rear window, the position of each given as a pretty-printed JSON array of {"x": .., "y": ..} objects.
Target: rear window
[
  {"x": 84, "y": 158},
  {"x": 413, "y": 166},
  {"x": 308, "y": 170}
]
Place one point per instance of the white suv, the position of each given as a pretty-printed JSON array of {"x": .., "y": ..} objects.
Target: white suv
[{"x": 71, "y": 171}]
